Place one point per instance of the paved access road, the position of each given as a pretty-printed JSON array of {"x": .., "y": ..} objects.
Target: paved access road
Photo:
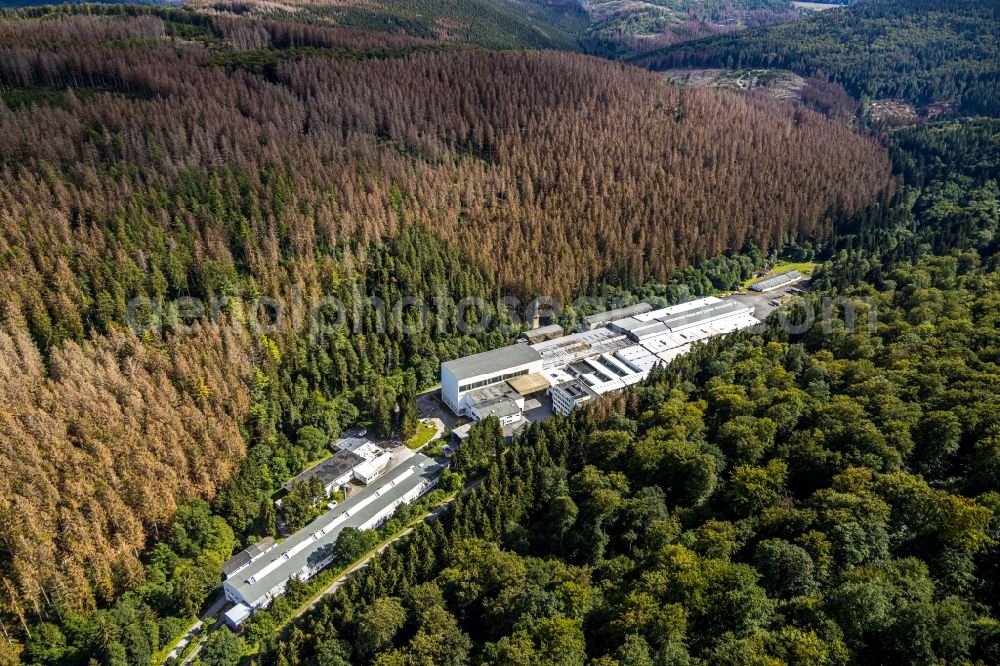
[
  {"x": 361, "y": 565},
  {"x": 211, "y": 614}
]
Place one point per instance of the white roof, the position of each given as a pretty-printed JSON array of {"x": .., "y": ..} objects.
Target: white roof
[
  {"x": 662, "y": 343},
  {"x": 625, "y": 369},
  {"x": 556, "y": 375},
  {"x": 237, "y": 614},
  {"x": 637, "y": 357},
  {"x": 371, "y": 468},
  {"x": 668, "y": 356},
  {"x": 570, "y": 348},
  {"x": 369, "y": 451},
  {"x": 677, "y": 309},
  {"x": 601, "y": 388}
]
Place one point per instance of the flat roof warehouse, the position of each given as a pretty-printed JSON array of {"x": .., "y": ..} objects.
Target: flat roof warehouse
[
  {"x": 613, "y": 350},
  {"x": 310, "y": 549},
  {"x": 777, "y": 281},
  {"x": 488, "y": 361}
]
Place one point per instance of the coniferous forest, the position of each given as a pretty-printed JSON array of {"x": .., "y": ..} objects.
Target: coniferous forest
[
  {"x": 803, "y": 499},
  {"x": 927, "y": 52},
  {"x": 824, "y": 497}
]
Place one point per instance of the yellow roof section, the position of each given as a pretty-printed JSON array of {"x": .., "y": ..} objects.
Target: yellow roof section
[{"x": 528, "y": 384}]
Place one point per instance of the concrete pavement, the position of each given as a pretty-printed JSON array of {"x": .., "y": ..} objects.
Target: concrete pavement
[{"x": 212, "y": 613}]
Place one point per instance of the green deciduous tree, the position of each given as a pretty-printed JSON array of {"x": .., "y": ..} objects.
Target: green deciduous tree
[{"x": 222, "y": 648}]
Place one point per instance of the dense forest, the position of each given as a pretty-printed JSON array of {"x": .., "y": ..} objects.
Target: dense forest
[
  {"x": 491, "y": 24},
  {"x": 825, "y": 497},
  {"x": 931, "y": 53},
  {"x": 627, "y": 28},
  {"x": 169, "y": 154},
  {"x": 767, "y": 502},
  {"x": 775, "y": 499},
  {"x": 417, "y": 122}
]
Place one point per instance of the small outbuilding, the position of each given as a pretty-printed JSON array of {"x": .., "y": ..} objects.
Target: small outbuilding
[
  {"x": 370, "y": 470},
  {"x": 541, "y": 334},
  {"x": 334, "y": 472}
]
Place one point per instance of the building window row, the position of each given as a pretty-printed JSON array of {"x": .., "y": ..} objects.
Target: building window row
[{"x": 492, "y": 380}]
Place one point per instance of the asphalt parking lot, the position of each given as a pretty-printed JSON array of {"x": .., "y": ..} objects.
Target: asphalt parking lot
[
  {"x": 430, "y": 407},
  {"x": 538, "y": 408},
  {"x": 761, "y": 303}
]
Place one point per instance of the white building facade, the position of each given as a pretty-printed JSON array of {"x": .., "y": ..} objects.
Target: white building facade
[
  {"x": 613, "y": 351},
  {"x": 463, "y": 375},
  {"x": 310, "y": 550}
]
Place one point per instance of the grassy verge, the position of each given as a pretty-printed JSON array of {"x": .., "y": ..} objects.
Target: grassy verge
[
  {"x": 435, "y": 449},
  {"x": 425, "y": 433},
  {"x": 804, "y": 267},
  {"x": 315, "y": 461},
  {"x": 161, "y": 655}
]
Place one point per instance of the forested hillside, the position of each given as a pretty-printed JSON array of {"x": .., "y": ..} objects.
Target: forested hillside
[
  {"x": 491, "y": 24},
  {"x": 628, "y": 28},
  {"x": 511, "y": 145},
  {"x": 926, "y": 52},
  {"x": 807, "y": 501},
  {"x": 825, "y": 497},
  {"x": 172, "y": 154}
]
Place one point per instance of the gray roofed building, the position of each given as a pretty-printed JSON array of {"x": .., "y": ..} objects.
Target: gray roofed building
[
  {"x": 244, "y": 557},
  {"x": 684, "y": 320},
  {"x": 499, "y": 400},
  {"x": 234, "y": 616},
  {"x": 498, "y": 407},
  {"x": 568, "y": 395},
  {"x": 354, "y": 439},
  {"x": 625, "y": 324},
  {"x": 777, "y": 281},
  {"x": 309, "y": 550},
  {"x": 492, "y": 361},
  {"x": 329, "y": 471},
  {"x": 542, "y": 333},
  {"x": 598, "y": 319},
  {"x": 637, "y": 330}
]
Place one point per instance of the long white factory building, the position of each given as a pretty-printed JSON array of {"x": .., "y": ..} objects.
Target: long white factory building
[
  {"x": 614, "y": 351},
  {"x": 265, "y": 572}
]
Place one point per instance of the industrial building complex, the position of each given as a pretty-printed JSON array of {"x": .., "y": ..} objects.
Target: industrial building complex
[
  {"x": 260, "y": 573},
  {"x": 612, "y": 350},
  {"x": 357, "y": 460}
]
